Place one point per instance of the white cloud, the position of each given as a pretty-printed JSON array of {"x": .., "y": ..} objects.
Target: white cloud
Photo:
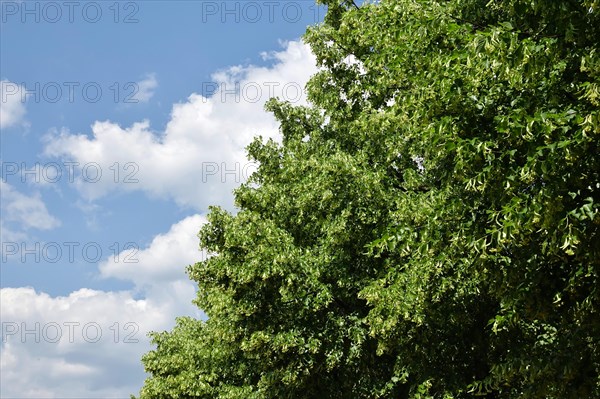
[
  {"x": 26, "y": 211},
  {"x": 200, "y": 156},
  {"x": 12, "y": 107},
  {"x": 87, "y": 344},
  {"x": 196, "y": 161},
  {"x": 62, "y": 355},
  {"x": 163, "y": 260},
  {"x": 145, "y": 88}
]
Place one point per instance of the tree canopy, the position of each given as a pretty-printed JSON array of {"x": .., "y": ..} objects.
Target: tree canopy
[{"x": 427, "y": 228}]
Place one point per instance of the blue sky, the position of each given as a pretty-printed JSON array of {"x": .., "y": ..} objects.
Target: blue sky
[{"x": 120, "y": 123}]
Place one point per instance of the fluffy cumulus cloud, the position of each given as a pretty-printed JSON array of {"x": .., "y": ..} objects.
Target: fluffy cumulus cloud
[
  {"x": 162, "y": 260},
  {"x": 12, "y": 106},
  {"x": 199, "y": 157},
  {"x": 89, "y": 343}
]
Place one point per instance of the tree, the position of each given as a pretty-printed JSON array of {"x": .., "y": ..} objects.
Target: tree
[{"x": 428, "y": 227}]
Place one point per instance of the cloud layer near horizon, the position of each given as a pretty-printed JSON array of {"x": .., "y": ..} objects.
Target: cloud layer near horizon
[{"x": 90, "y": 342}]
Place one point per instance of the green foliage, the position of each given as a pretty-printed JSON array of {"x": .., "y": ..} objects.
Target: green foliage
[{"x": 428, "y": 228}]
